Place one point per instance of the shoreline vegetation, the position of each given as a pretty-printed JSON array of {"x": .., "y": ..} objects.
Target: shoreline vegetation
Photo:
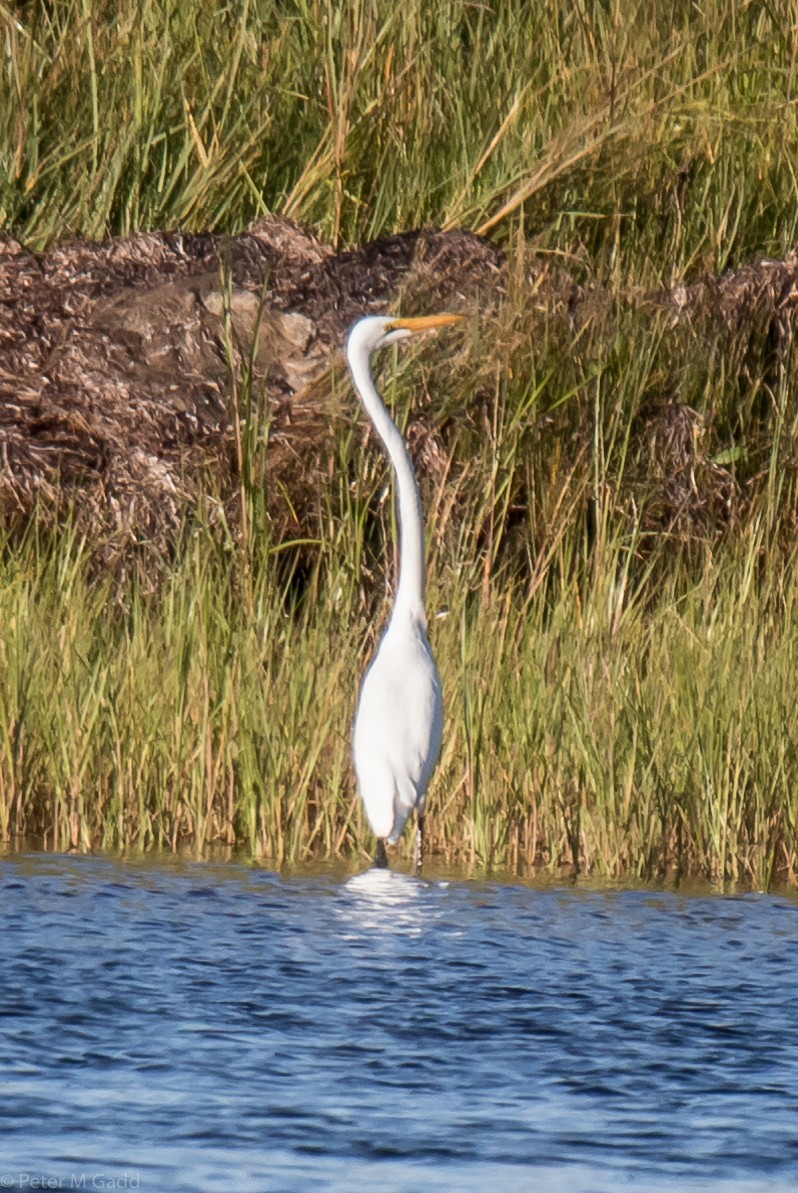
[{"x": 608, "y": 450}]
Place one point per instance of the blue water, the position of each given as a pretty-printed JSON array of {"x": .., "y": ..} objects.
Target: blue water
[{"x": 207, "y": 1027}]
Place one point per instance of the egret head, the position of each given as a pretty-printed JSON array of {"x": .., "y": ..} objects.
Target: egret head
[{"x": 375, "y": 331}]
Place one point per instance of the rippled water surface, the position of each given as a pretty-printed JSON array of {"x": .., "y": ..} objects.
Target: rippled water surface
[{"x": 221, "y": 1028}]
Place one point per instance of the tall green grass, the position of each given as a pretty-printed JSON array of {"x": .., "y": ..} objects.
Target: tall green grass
[
  {"x": 618, "y": 701},
  {"x": 632, "y": 139},
  {"x": 581, "y": 735}
]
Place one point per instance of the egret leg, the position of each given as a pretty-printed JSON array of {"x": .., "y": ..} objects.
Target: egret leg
[
  {"x": 418, "y": 850},
  {"x": 381, "y": 857}
]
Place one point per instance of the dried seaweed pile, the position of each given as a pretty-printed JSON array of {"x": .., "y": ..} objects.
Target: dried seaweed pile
[
  {"x": 744, "y": 319},
  {"x": 115, "y": 363}
]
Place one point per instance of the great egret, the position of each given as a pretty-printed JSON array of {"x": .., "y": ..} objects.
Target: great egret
[{"x": 399, "y": 720}]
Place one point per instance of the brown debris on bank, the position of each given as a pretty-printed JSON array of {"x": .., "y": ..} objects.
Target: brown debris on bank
[
  {"x": 760, "y": 296},
  {"x": 747, "y": 316},
  {"x": 115, "y": 366}
]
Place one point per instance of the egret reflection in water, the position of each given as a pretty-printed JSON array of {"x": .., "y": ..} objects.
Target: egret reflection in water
[{"x": 388, "y": 901}]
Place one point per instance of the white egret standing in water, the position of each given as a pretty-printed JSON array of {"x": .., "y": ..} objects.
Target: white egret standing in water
[{"x": 399, "y": 719}]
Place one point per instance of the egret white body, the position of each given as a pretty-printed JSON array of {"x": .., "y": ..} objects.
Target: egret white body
[
  {"x": 398, "y": 728},
  {"x": 399, "y": 720}
]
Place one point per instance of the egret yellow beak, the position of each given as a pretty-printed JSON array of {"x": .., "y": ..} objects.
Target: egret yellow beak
[{"x": 424, "y": 322}]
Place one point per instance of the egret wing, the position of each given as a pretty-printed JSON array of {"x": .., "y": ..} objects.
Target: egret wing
[{"x": 397, "y": 731}]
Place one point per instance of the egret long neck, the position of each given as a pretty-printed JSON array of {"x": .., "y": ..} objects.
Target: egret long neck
[{"x": 410, "y": 591}]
